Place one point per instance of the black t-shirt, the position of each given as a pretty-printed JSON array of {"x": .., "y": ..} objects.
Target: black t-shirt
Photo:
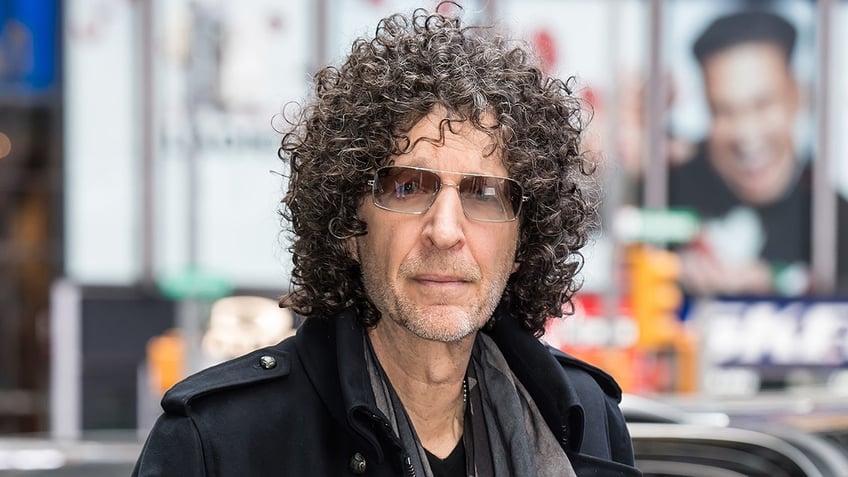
[
  {"x": 785, "y": 223},
  {"x": 452, "y": 465}
]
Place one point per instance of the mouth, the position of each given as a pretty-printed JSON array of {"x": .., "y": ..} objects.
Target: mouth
[
  {"x": 438, "y": 279},
  {"x": 438, "y": 289},
  {"x": 753, "y": 158}
]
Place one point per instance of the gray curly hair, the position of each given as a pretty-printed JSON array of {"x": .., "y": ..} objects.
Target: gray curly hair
[{"x": 358, "y": 118}]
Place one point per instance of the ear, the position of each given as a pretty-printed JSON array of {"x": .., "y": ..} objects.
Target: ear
[{"x": 515, "y": 266}]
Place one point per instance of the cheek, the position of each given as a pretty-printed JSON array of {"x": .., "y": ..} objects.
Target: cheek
[
  {"x": 385, "y": 247},
  {"x": 781, "y": 126},
  {"x": 722, "y": 131},
  {"x": 500, "y": 248}
]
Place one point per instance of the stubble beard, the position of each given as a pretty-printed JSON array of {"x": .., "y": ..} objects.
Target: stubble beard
[{"x": 442, "y": 322}]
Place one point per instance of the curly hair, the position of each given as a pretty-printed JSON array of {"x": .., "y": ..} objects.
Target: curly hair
[{"x": 357, "y": 120}]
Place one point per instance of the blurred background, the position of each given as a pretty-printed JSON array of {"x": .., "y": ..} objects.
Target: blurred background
[{"x": 140, "y": 238}]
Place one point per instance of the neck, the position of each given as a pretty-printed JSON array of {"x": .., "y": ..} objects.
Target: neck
[{"x": 429, "y": 378}]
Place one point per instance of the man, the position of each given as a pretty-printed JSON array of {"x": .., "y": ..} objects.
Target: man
[
  {"x": 747, "y": 179},
  {"x": 435, "y": 199}
]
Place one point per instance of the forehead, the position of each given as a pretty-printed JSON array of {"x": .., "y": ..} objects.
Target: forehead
[
  {"x": 746, "y": 72},
  {"x": 455, "y": 146},
  {"x": 753, "y": 61}
]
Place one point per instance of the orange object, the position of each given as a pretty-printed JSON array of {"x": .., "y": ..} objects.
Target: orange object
[
  {"x": 165, "y": 360},
  {"x": 655, "y": 296}
]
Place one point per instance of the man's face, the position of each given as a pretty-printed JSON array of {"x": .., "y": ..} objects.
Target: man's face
[
  {"x": 439, "y": 275},
  {"x": 753, "y": 99}
]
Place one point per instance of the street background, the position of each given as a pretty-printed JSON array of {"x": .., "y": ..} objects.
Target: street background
[{"x": 140, "y": 236}]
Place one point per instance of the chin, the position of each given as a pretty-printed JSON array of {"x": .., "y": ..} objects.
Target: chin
[
  {"x": 443, "y": 326},
  {"x": 761, "y": 197}
]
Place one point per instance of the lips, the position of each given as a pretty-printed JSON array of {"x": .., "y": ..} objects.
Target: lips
[
  {"x": 753, "y": 159},
  {"x": 451, "y": 287},
  {"x": 440, "y": 279},
  {"x": 439, "y": 271}
]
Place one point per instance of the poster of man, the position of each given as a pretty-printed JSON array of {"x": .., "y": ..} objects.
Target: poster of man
[{"x": 749, "y": 174}]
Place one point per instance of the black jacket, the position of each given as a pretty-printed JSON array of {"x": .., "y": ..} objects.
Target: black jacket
[{"x": 305, "y": 408}]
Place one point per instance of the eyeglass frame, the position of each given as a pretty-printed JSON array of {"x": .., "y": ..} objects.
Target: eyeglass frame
[{"x": 372, "y": 183}]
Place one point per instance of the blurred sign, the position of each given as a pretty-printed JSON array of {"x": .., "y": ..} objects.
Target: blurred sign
[
  {"x": 610, "y": 340},
  {"x": 773, "y": 333},
  {"x": 217, "y": 80},
  {"x": 28, "y": 31},
  {"x": 660, "y": 226},
  {"x": 588, "y": 327},
  {"x": 194, "y": 283}
]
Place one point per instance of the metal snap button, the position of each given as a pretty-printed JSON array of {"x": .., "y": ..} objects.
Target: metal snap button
[
  {"x": 357, "y": 463},
  {"x": 268, "y": 362}
]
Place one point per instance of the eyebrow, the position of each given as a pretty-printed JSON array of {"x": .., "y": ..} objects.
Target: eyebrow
[{"x": 454, "y": 173}]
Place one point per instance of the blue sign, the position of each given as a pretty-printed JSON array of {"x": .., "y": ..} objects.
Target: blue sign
[
  {"x": 773, "y": 333},
  {"x": 28, "y": 46}
]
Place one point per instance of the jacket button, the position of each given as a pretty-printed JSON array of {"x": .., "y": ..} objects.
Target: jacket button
[
  {"x": 357, "y": 463},
  {"x": 268, "y": 362}
]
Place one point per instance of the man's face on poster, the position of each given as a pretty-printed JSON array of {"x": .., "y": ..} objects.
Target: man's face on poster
[{"x": 753, "y": 100}]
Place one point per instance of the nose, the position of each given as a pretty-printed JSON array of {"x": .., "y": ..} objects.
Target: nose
[
  {"x": 745, "y": 132},
  {"x": 445, "y": 219}
]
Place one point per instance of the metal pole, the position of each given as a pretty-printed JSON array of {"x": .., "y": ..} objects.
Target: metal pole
[
  {"x": 190, "y": 311},
  {"x": 321, "y": 54},
  {"x": 146, "y": 147},
  {"x": 65, "y": 360},
  {"x": 613, "y": 183},
  {"x": 824, "y": 213},
  {"x": 655, "y": 182}
]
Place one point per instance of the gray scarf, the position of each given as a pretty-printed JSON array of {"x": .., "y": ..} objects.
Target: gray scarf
[{"x": 504, "y": 433}]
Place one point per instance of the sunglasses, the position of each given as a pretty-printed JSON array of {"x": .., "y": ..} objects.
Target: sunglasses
[{"x": 412, "y": 190}]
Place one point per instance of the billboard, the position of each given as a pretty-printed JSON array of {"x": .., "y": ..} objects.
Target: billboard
[
  {"x": 28, "y": 47},
  {"x": 742, "y": 142}
]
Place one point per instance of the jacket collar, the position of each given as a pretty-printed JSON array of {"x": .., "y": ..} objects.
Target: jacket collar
[{"x": 331, "y": 351}]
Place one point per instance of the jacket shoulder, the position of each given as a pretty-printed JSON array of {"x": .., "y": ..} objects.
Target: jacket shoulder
[
  {"x": 258, "y": 366},
  {"x": 574, "y": 366}
]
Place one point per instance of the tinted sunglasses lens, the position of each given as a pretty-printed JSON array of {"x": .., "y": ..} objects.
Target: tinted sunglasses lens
[
  {"x": 404, "y": 189},
  {"x": 493, "y": 199}
]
